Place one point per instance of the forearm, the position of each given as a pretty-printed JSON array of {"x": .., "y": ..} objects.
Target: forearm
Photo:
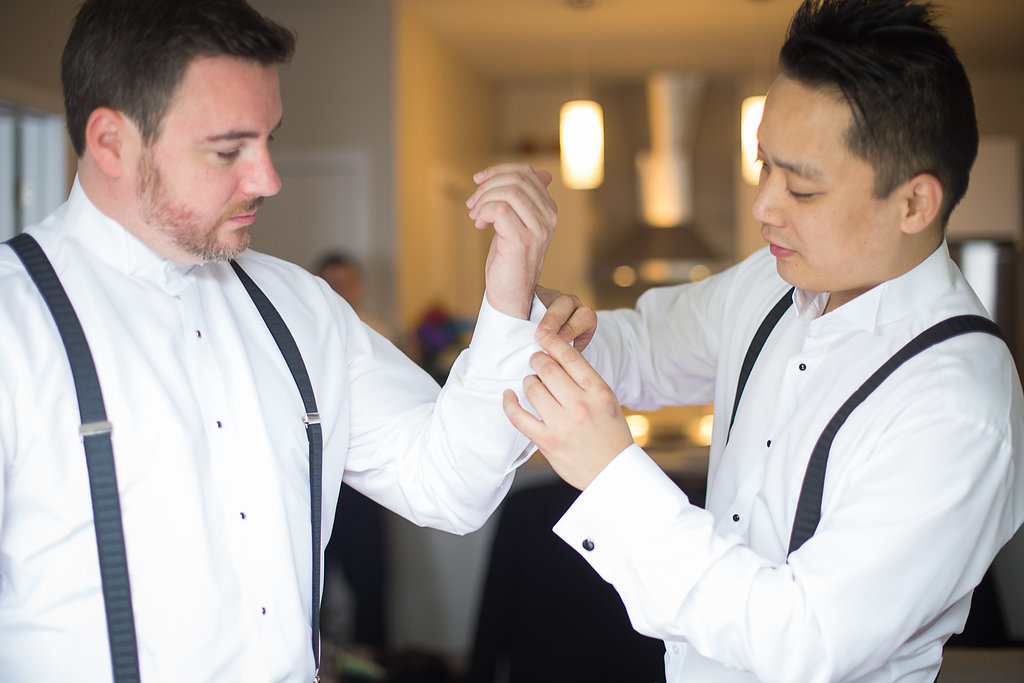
[
  {"x": 839, "y": 607},
  {"x": 445, "y": 459}
]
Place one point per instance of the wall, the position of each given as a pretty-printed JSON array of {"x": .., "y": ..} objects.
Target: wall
[
  {"x": 445, "y": 132},
  {"x": 338, "y": 112},
  {"x": 32, "y": 36},
  {"x": 445, "y": 122}
]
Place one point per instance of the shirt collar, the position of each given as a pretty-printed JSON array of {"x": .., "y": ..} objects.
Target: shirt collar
[
  {"x": 890, "y": 301},
  {"x": 108, "y": 241}
]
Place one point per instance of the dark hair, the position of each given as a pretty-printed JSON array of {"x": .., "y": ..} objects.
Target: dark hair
[
  {"x": 338, "y": 258},
  {"x": 130, "y": 55},
  {"x": 912, "y": 105}
]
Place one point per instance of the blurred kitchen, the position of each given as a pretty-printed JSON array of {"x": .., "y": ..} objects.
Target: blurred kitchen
[{"x": 392, "y": 105}]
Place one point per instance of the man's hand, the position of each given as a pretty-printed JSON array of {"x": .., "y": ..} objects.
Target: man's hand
[
  {"x": 515, "y": 200},
  {"x": 574, "y": 322},
  {"x": 581, "y": 427}
]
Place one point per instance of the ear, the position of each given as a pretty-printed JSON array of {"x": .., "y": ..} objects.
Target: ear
[
  {"x": 111, "y": 140},
  {"x": 923, "y": 199}
]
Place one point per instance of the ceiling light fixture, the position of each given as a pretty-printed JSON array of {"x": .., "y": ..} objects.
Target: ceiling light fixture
[
  {"x": 750, "y": 115},
  {"x": 581, "y": 132},
  {"x": 581, "y": 137}
]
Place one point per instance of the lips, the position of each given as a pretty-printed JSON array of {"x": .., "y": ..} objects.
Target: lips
[
  {"x": 247, "y": 212},
  {"x": 244, "y": 218},
  {"x": 778, "y": 251}
]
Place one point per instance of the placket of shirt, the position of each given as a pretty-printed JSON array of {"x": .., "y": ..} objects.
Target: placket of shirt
[
  {"x": 236, "y": 500},
  {"x": 776, "y": 467}
]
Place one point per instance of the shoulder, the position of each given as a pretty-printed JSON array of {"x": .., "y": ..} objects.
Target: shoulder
[
  {"x": 970, "y": 374},
  {"x": 963, "y": 377},
  {"x": 19, "y": 297}
]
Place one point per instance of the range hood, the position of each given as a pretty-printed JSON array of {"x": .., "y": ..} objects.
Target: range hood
[
  {"x": 665, "y": 171},
  {"x": 664, "y": 246}
]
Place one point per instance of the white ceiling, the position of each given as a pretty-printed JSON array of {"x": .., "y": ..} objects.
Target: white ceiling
[{"x": 626, "y": 39}]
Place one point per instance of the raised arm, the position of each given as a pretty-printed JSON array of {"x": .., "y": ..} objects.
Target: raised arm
[{"x": 514, "y": 199}]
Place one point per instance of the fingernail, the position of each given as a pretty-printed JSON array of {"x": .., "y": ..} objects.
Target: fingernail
[{"x": 480, "y": 175}]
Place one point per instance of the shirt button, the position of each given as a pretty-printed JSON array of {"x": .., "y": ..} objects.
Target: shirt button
[
  {"x": 769, "y": 444},
  {"x": 802, "y": 367},
  {"x": 675, "y": 649},
  {"x": 199, "y": 334},
  {"x": 588, "y": 545},
  {"x": 735, "y": 518}
]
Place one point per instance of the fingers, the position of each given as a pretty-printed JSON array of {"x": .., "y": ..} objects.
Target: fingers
[
  {"x": 502, "y": 169},
  {"x": 552, "y": 387},
  {"x": 547, "y": 296},
  {"x": 566, "y": 315},
  {"x": 505, "y": 175},
  {"x": 518, "y": 187},
  {"x": 520, "y": 418},
  {"x": 563, "y": 369},
  {"x": 580, "y": 328},
  {"x": 559, "y": 310},
  {"x": 580, "y": 430}
]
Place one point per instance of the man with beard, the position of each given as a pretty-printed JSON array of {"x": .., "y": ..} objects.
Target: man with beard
[{"x": 238, "y": 391}]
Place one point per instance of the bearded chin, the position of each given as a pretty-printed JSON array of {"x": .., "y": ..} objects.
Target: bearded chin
[
  {"x": 208, "y": 248},
  {"x": 178, "y": 223}
]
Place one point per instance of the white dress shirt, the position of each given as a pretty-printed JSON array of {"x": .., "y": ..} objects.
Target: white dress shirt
[
  {"x": 925, "y": 481},
  {"x": 211, "y": 453}
]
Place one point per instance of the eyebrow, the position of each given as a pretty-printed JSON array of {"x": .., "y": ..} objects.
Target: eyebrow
[
  {"x": 802, "y": 169},
  {"x": 240, "y": 134}
]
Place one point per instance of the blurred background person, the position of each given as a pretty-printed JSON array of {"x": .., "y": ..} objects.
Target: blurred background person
[{"x": 344, "y": 273}]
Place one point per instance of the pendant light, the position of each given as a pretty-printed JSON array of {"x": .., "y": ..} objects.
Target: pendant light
[
  {"x": 581, "y": 137},
  {"x": 750, "y": 114},
  {"x": 581, "y": 132}
]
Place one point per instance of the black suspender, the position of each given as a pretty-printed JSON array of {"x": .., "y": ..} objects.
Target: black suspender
[
  {"x": 808, "y": 511},
  {"x": 754, "y": 350},
  {"x": 314, "y": 432},
  {"x": 99, "y": 458},
  {"x": 95, "y": 432}
]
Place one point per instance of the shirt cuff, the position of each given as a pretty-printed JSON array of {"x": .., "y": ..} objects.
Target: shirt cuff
[
  {"x": 631, "y": 499},
  {"x": 504, "y": 343}
]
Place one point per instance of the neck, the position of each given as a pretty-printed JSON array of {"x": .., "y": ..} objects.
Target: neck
[{"x": 918, "y": 248}]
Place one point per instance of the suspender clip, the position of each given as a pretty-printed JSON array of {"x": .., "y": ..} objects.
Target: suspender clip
[
  {"x": 95, "y": 428},
  {"x": 311, "y": 419}
]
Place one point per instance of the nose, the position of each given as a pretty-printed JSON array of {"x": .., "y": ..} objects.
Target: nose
[
  {"x": 765, "y": 206},
  {"x": 262, "y": 179}
]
